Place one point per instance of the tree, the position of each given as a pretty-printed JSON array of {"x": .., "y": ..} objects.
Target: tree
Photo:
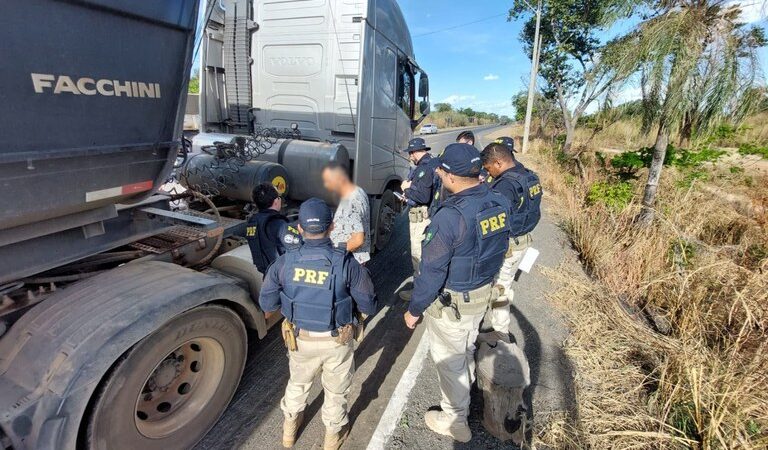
[
  {"x": 697, "y": 66},
  {"x": 443, "y": 107},
  {"x": 570, "y": 52},
  {"x": 194, "y": 83},
  {"x": 546, "y": 110}
]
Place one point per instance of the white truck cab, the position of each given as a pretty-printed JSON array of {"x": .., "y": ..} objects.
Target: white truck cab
[{"x": 341, "y": 71}]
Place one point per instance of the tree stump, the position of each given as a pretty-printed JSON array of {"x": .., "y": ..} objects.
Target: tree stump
[{"x": 503, "y": 375}]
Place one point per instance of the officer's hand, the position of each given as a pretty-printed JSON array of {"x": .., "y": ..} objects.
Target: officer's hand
[
  {"x": 411, "y": 320},
  {"x": 405, "y": 184},
  {"x": 269, "y": 314}
]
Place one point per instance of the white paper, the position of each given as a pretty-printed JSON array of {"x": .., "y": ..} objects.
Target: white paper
[{"x": 529, "y": 257}]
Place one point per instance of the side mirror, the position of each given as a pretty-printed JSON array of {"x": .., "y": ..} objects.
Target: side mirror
[
  {"x": 423, "y": 85},
  {"x": 424, "y": 107}
]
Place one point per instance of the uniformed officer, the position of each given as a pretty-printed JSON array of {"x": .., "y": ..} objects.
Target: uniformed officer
[
  {"x": 419, "y": 190},
  {"x": 466, "y": 137},
  {"x": 268, "y": 232},
  {"x": 522, "y": 188},
  {"x": 322, "y": 292},
  {"x": 462, "y": 252}
]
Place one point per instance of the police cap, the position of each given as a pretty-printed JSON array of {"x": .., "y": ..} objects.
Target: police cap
[
  {"x": 506, "y": 141},
  {"x": 315, "y": 216},
  {"x": 461, "y": 160},
  {"x": 467, "y": 135},
  {"x": 417, "y": 145}
]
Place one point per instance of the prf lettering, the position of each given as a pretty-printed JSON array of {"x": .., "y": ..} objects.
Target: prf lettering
[
  {"x": 310, "y": 276},
  {"x": 494, "y": 223}
]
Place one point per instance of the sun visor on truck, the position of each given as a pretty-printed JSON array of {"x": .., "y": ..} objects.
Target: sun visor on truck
[{"x": 91, "y": 102}]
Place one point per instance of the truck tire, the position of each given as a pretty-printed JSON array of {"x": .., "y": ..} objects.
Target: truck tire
[
  {"x": 169, "y": 389},
  {"x": 388, "y": 208}
]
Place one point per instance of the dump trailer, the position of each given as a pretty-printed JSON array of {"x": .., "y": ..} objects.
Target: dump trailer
[{"x": 126, "y": 287}]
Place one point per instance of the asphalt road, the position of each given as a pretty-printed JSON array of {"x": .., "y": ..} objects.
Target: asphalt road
[{"x": 254, "y": 420}]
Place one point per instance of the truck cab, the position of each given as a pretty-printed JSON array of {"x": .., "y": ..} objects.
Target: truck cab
[{"x": 337, "y": 72}]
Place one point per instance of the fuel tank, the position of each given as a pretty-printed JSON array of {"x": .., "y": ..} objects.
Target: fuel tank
[
  {"x": 303, "y": 161},
  {"x": 231, "y": 179}
]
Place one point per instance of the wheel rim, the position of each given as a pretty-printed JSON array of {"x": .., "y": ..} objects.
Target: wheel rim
[
  {"x": 386, "y": 223},
  {"x": 179, "y": 387}
]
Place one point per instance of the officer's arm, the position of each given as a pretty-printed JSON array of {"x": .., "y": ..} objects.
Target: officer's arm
[
  {"x": 360, "y": 286},
  {"x": 269, "y": 296},
  {"x": 421, "y": 189},
  {"x": 436, "y": 255},
  {"x": 289, "y": 237}
]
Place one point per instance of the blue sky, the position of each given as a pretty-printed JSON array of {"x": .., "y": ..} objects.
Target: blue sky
[{"x": 482, "y": 65}]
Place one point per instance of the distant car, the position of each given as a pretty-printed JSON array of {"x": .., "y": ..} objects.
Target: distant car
[{"x": 428, "y": 129}]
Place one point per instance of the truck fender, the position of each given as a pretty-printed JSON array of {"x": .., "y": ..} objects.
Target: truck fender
[{"x": 53, "y": 358}]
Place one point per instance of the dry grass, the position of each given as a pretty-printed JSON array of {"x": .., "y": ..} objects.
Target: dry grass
[{"x": 669, "y": 336}]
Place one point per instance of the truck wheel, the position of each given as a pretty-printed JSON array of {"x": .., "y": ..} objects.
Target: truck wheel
[
  {"x": 171, "y": 387},
  {"x": 385, "y": 218}
]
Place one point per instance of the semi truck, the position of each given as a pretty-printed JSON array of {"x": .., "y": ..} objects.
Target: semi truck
[{"x": 126, "y": 287}]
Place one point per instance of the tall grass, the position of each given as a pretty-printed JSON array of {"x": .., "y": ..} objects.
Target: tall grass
[{"x": 670, "y": 331}]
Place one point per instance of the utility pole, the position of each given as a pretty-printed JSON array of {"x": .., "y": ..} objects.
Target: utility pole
[{"x": 532, "y": 82}]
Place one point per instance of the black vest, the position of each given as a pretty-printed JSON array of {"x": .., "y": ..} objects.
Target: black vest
[
  {"x": 526, "y": 214},
  {"x": 315, "y": 294},
  {"x": 263, "y": 249},
  {"x": 478, "y": 258}
]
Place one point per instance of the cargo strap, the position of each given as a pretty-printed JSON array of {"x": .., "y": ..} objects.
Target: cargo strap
[
  {"x": 500, "y": 304},
  {"x": 418, "y": 214}
]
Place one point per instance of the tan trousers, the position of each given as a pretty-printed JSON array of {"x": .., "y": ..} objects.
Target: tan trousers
[
  {"x": 452, "y": 346},
  {"x": 336, "y": 364},
  {"x": 500, "y": 316},
  {"x": 417, "y": 230}
]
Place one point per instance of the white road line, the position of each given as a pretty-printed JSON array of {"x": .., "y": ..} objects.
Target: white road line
[{"x": 399, "y": 397}]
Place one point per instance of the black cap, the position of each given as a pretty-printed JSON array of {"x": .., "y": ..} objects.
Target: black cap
[
  {"x": 462, "y": 160},
  {"x": 466, "y": 134},
  {"x": 506, "y": 141},
  {"x": 315, "y": 216},
  {"x": 417, "y": 145}
]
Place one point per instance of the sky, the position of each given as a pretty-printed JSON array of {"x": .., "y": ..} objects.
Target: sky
[{"x": 481, "y": 65}]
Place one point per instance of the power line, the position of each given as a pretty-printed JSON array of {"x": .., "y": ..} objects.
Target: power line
[{"x": 461, "y": 25}]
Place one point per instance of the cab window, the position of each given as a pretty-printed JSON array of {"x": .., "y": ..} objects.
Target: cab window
[{"x": 405, "y": 86}]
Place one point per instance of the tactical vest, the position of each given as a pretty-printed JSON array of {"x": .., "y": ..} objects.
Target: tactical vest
[
  {"x": 526, "y": 215},
  {"x": 315, "y": 295},
  {"x": 478, "y": 259},
  {"x": 264, "y": 251}
]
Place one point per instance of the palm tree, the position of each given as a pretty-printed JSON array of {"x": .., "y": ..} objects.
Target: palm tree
[{"x": 697, "y": 64}]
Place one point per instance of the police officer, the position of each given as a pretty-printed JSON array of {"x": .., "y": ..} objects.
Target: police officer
[
  {"x": 462, "y": 252},
  {"x": 419, "y": 190},
  {"x": 268, "y": 232},
  {"x": 466, "y": 137},
  {"x": 319, "y": 290},
  {"x": 522, "y": 188}
]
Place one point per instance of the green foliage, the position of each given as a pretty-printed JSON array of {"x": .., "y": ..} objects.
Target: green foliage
[
  {"x": 194, "y": 85},
  {"x": 627, "y": 164},
  {"x": 736, "y": 170},
  {"x": 681, "y": 253},
  {"x": 615, "y": 196},
  {"x": 443, "y": 107},
  {"x": 753, "y": 149},
  {"x": 692, "y": 177},
  {"x": 681, "y": 419}
]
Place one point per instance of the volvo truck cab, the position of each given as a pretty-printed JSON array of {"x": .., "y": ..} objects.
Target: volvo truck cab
[{"x": 341, "y": 74}]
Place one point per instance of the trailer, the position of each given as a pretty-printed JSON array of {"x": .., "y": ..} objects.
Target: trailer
[{"x": 126, "y": 287}]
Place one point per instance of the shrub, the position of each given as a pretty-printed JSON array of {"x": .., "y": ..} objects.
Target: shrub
[
  {"x": 753, "y": 149},
  {"x": 615, "y": 196}
]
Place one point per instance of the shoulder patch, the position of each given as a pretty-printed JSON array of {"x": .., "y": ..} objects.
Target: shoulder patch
[
  {"x": 421, "y": 173},
  {"x": 429, "y": 234}
]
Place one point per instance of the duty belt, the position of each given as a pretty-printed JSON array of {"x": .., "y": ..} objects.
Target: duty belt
[
  {"x": 472, "y": 302},
  {"x": 418, "y": 214}
]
